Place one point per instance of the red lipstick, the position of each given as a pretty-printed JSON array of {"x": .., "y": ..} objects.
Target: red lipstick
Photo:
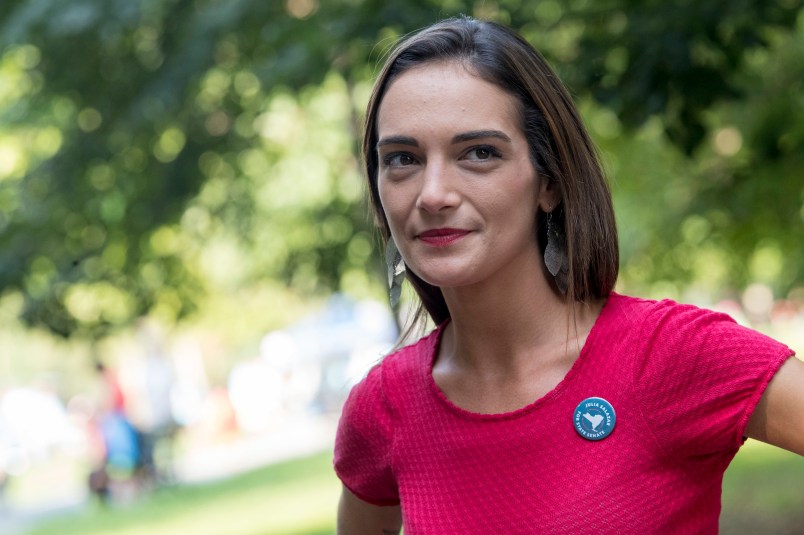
[{"x": 442, "y": 237}]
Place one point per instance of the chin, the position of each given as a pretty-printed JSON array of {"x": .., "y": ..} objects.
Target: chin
[{"x": 446, "y": 280}]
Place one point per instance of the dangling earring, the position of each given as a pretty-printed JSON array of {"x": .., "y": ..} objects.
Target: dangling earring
[
  {"x": 396, "y": 271},
  {"x": 555, "y": 254}
]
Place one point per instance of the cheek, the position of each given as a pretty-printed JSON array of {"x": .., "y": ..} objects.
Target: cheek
[
  {"x": 385, "y": 198},
  {"x": 390, "y": 205},
  {"x": 394, "y": 197},
  {"x": 519, "y": 208},
  {"x": 517, "y": 197}
]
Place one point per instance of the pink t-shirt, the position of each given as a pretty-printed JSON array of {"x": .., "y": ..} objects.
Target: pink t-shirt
[{"x": 682, "y": 381}]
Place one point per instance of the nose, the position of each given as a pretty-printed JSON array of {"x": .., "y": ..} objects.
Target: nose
[{"x": 437, "y": 191}]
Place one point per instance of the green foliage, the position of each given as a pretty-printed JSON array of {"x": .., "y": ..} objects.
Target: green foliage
[
  {"x": 154, "y": 151},
  {"x": 671, "y": 59},
  {"x": 734, "y": 213}
]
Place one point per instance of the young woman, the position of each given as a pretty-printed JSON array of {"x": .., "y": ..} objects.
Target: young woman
[{"x": 543, "y": 402}]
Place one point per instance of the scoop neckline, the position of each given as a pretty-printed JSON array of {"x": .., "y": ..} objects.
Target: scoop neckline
[{"x": 530, "y": 407}]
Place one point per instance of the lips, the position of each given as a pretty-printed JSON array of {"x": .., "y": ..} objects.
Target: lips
[{"x": 441, "y": 237}]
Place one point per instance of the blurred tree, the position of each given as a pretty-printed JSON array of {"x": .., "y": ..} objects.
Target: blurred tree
[
  {"x": 150, "y": 149},
  {"x": 732, "y": 203},
  {"x": 671, "y": 59}
]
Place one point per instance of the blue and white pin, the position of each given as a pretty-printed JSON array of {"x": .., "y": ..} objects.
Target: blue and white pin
[{"x": 594, "y": 418}]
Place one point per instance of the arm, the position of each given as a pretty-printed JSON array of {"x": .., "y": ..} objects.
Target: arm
[
  {"x": 779, "y": 416},
  {"x": 356, "y": 517}
]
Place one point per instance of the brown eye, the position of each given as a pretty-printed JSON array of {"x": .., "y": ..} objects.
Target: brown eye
[
  {"x": 398, "y": 159},
  {"x": 481, "y": 153}
]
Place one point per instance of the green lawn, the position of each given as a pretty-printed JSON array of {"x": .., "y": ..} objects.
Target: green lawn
[
  {"x": 763, "y": 493},
  {"x": 292, "y": 498}
]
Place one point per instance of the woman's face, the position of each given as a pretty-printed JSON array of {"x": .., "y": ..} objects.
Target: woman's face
[{"x": 455, "y": 179}]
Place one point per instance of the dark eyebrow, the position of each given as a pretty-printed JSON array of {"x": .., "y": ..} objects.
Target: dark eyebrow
[
  {"x": 479, "y": 134},
  {"x": 459, "y": 138},
  {"x": 397, "y": 140}
]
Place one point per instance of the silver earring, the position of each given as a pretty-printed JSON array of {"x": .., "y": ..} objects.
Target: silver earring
[
  {"x": 396, "y": 271},
  {"x": 555, "y": 254}
]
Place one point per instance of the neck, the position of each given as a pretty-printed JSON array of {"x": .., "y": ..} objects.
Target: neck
[{"x": 505, "y": 324}]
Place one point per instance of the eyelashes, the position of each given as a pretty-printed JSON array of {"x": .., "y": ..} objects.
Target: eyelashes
[
  {"x": 477, "y": 153},
  {"x": 482, "y": 153},
  {"x": 398, "y": 159}
]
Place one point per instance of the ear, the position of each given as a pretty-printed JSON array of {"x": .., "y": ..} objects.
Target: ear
[{"x": 549, "y": 194}]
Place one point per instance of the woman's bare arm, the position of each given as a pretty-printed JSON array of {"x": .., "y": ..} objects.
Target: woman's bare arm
[
  {"x": 356, "y": 517},
  {"x": 779, "y": 417}
]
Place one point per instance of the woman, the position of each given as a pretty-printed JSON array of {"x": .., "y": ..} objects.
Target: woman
[{"x": 543, "y": 402}]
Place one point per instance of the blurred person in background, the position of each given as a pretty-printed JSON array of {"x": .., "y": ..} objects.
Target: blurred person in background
[
  {"x": 3, "y": 485},
  {"x": 543, "y": 401},
  {"x": 114, "y": 442},
  {"x": 5, "y": 452},
  {"x": 149, "y": 384}
]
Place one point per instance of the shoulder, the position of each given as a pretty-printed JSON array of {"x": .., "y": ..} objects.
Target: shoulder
[
  {"x": 632, "y": 311},
  {"x": 683, "y": 344},
  {"x": 700, "y": 373},
  {"x": 664, "y": 338},
  {"x": 640, "y": 307},
  {"x": 407, "y": 362},
  {"x": 633, "y": 321},
  {"x": 402, "y": 369},
  {"x": 673, "y": 332},
  {"x": 364, "y": 442},
  {"x": 666, "y": 317}
]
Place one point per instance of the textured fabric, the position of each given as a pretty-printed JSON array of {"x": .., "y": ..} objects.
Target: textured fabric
[{"x": 682, "y": 380}]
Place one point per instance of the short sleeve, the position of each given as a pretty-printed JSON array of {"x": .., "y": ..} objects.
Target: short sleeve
[
  {"x": 363, "y": 443},
  {"x": 701, "y": 376}
]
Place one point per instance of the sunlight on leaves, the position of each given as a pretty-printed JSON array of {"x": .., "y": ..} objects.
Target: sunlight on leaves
[
  {"x": 98, "y": 301},
  {"x": 170, "y": 143}
]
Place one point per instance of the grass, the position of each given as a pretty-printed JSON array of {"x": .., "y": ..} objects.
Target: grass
[
  {"x": 293, "y": 498},
  {"x": 763, "y": 493}
]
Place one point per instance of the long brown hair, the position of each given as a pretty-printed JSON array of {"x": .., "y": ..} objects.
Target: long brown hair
[{"x": 560, "y": 147}]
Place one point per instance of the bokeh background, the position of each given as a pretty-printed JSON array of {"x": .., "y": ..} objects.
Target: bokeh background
[{"x": 189, "y": 277}]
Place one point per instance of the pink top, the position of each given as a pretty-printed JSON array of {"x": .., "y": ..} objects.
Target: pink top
[{"x": 683, "y": 382}]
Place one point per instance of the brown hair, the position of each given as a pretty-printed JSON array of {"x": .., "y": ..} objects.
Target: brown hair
[{"x": 560, "y": 147}]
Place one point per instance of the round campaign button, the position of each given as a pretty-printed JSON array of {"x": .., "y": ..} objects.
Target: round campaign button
[{"x": 594, "y": 418}]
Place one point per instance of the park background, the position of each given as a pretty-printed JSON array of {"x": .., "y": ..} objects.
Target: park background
[{"x": 180, "y": 190}]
